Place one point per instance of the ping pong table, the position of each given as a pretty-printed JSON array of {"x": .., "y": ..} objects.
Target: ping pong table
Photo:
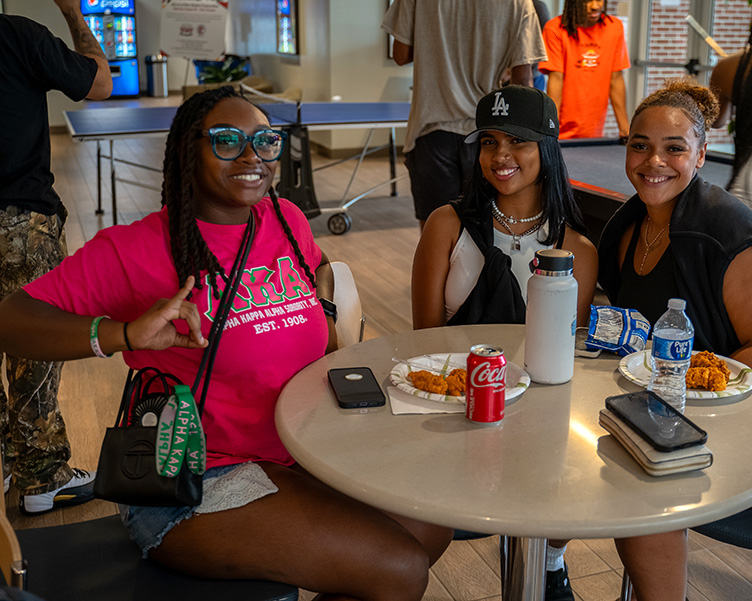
[{"x": 296, "y": 174}]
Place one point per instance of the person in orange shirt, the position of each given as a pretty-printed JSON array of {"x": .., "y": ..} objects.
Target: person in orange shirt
[{"x": 586, "y": 56}]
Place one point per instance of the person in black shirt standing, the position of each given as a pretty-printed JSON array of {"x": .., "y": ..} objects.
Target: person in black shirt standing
[{"x": 35, "y": 447}]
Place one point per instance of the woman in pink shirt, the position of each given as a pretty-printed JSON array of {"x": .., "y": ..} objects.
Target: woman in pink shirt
[{"x": 158, "y": 281}]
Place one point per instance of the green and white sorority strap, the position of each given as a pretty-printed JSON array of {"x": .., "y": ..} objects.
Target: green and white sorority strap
[{"x": 179, "y": 433}]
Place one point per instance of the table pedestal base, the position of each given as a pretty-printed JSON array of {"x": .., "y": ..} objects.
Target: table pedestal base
[{"x": 523, "y": 568}]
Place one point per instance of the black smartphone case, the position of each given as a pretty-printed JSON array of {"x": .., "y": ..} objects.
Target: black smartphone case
[
  {"x": 356, "y": 387},
  {"x": 631, "y": 414}
]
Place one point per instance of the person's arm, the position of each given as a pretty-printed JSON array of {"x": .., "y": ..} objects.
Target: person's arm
[
  {"x": 85, "y": 43},
  {"x": 431, "y": 267},
  {"x": 522, "y": 75},
  {"x": 402, "y": 53},
  {"x": 722, "y": 84},
  {"x": 585, "y": 272},
  {"x": 554, "y": 88},
  {"x": 325, "y": 289},
  {"x": 618, "y": 95},
  {"x": 737, "y": 282},
  {"x": 36, "y": 330}
]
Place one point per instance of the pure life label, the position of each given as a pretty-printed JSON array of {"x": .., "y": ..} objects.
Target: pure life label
[{"x": 672, "y": 350}]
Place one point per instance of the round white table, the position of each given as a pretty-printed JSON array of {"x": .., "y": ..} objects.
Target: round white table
[{"x": 549, "y": 471}]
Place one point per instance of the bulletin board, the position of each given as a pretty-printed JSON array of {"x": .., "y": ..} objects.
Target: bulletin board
[{"x": 193, "y": 28}]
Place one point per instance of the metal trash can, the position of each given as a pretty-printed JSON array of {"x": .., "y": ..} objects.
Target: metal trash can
[{"x": 156, "y": 75}]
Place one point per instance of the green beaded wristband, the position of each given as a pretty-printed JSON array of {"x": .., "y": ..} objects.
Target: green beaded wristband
[{"x": 94, "y": 338}]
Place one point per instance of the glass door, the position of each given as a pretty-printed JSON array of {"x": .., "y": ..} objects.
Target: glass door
[{"x": 665, "y": 44}]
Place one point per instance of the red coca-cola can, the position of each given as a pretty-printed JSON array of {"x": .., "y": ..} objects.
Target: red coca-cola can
[{"x": 486, "y": 385}]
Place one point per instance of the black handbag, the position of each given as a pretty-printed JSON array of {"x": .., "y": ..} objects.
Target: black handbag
[{"x": 155, "y": 454}]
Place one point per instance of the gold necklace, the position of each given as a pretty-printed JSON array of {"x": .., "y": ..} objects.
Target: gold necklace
[{"x": 650, "y": 246}]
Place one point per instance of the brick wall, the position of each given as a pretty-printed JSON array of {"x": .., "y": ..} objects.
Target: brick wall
[
  {"x": 731, "y": 31},
  {"x": 669, "y": 32}
]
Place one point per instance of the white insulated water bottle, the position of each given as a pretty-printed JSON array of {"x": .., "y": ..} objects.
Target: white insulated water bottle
[{"x": 551, "y": 318}]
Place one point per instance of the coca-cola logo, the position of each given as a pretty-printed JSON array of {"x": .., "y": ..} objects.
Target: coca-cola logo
[{"x": 484, "y": 375}]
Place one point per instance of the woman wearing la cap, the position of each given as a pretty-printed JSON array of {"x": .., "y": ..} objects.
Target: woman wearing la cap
[
  {"x": 519, "y": 200},
  {"x": 472, "y": 261}
]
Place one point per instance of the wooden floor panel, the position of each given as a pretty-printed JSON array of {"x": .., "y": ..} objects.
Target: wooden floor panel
[{"x": 379, "y": 249}]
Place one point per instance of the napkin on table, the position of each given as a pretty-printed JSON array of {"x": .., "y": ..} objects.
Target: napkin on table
[
  {"x": 403, "y": 403},
  {"x": 654, "y": 462}
]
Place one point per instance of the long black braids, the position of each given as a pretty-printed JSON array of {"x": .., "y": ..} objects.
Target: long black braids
[
  {"x": 574, "y": 15},
  {"x": 291, "y": 238},
  {"x": 190, "y": 252},
  {"x": 189, "y": 249},
  {"x": 741, "y": 99}
]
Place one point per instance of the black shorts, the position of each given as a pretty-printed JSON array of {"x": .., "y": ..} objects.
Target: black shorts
[{"x": 439, "y": 166}]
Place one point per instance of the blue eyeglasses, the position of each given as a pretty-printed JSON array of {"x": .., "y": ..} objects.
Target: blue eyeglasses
[{"x": 228, "y": 143}]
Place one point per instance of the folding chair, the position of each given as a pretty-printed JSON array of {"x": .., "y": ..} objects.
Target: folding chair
[{"x": 350, "y": 319}]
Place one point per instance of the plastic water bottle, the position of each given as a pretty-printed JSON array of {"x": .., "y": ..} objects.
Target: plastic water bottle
[
  {"x": 673, "y": 335},
  {"x": 551, "y": 318}
]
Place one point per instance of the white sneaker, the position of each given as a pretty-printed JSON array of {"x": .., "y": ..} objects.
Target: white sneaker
[{"x": 79, "y": 489}]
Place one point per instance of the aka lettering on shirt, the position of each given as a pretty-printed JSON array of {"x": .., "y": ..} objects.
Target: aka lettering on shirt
[{"x": 266, "y": 293}]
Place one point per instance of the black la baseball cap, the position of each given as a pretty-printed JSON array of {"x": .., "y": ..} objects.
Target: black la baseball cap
[{"x": 516, "y": 110}]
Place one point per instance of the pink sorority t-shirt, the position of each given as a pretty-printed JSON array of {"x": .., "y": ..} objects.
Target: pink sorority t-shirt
[{"x": 276, "y": 326}]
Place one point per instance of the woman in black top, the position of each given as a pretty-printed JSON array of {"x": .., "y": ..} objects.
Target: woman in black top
[{"x": 677, "y": 237}]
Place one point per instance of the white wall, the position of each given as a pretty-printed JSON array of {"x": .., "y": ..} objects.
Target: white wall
[
  {"x": 180, "y": 71},
  {"x": 360, "y": 68},
  {"x": 342, "y": 52}
]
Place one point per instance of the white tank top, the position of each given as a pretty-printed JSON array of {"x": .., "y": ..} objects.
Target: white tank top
[{"x": 466, "y": 263}]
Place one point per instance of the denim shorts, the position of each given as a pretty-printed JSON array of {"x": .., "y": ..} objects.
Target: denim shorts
[{"x": 225, "y": 487}]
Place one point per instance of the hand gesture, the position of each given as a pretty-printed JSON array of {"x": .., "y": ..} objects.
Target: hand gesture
[{"x": 154, "y": 330}]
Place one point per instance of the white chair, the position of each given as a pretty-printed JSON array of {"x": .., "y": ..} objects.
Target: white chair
[{"x": 350, "y": 319}]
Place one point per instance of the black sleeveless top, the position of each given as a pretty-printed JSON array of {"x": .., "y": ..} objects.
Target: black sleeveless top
[{"x": 647, "y": 293}]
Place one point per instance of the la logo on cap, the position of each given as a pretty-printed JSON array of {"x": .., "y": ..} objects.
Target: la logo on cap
[{"x": 500, "y": 107}]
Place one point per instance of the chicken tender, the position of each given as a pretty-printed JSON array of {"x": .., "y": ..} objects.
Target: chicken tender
[
  {"x": 459, "y": 373},
  {"x": 708, "y": 372},
  {"x": 456, "y": 382},
  {"x": 708, "y": 359},
  {"x": 428, "y": 382},
  {"x": 708, "y": 378}
]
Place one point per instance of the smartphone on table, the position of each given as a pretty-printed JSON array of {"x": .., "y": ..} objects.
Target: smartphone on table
[
  {"x": 356, "y": 387},
  {"x": 665, "y": 428}
]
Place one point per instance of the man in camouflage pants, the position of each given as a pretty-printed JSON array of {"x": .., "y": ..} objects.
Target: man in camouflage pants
[
  {"x": 35, "y": 448},
  {"x": 30, "y": 245}
]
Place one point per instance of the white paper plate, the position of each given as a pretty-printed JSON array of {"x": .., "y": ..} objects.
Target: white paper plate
[
  {"x": 636, "y": 368},
  {"x": 443, "y": 363}
]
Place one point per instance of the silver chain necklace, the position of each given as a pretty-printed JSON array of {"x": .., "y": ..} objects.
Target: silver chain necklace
[
  {"x": 504, "y": 221},
  {"x": 500, "y": 217},
  {"x": 517, "y": 237}
]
